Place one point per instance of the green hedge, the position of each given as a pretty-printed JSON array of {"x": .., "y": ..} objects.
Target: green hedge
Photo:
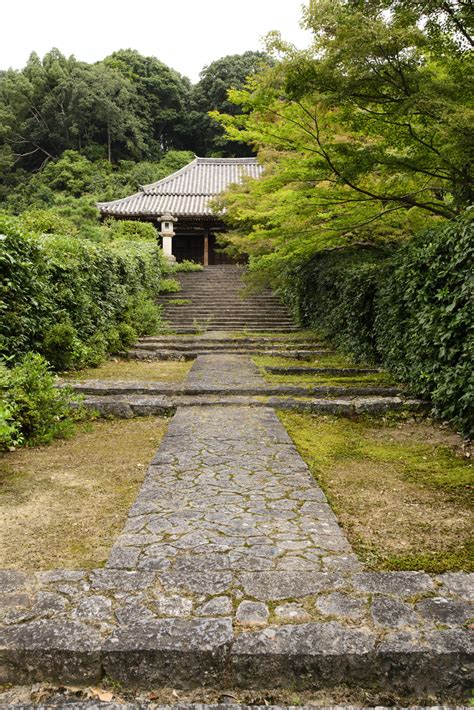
[
  {"x": 71, "y": 299},
  {"x": 410, "y": 309}
]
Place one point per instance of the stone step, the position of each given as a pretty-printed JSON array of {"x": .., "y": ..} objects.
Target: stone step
[
  {"x": 163, "y": 354},
  {"x": 111, "y": 388},
  {"x": 150, "y": 343},
  {"x": 193, "y": 330},
  {"x": 224, "y": 340},
  {"x": 129, "y": 406}
]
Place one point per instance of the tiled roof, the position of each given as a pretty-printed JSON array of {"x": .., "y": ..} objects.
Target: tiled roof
[{"x": 186, "y": 192}]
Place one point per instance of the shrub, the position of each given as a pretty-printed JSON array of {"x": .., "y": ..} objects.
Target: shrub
[
  {"x": 409, "y": 309},
  {"x": 143, "y": 315},
  {"x": 61, "y": 296},
  {"x": 34, "y": 410},
  {"x": 61, "y": 346},
  {"x": 127, "y": 334},
  {"x": 170, "y": 286},
  {"x": 131, "y": 230},
  {"x": 46, "y": 222}
]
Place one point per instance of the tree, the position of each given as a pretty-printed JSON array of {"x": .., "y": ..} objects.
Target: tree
[
  {"x": 162, "y": 99},
  {"x": 366, "y": 136},
  {"x": 211, "y": 94}
]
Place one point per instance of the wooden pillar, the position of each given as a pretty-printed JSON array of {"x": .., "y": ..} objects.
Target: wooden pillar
[{"x": 206, "y": 249}]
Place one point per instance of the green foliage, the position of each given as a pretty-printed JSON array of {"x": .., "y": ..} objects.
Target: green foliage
[
  {"x": 211, "y": 94},
  {"x": 61, "y": 296},
  {"x": 133, "y": 230},
  {"x": 424, "y": 319},
  {"x": 185, "y": 266},
  {"x": 144, "y": 315},
  {"x": 409, "y": 309},
  {"x": 34, "y": 410},
  {"x": 366, "y": 136},
  {"x": 42, "y": 221},
  {"x": 170, "y": 286},
  {"x": 61, "y": 346}
]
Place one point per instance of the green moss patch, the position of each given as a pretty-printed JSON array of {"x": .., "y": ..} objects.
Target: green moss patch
[
  {"x": 329, "y": 360},
  {"x": 64, "y": 504},
  {"x": 376, "y": 379},
  {"x": 402, "y": 490}
]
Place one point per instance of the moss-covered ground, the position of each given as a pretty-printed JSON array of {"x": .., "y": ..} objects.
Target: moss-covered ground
[
  {"x": 64, "y": 504},
  {"x": 380, "y": 379},
  {"x": 155, "y": 371},
  {"x": 329, "y": 360},
  {"x": 305, "y": 335},
  {"x": 402, "y": 490}
]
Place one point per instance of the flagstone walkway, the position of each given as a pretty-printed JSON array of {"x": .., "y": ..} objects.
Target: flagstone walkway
[{"x": 232, "y": 571}]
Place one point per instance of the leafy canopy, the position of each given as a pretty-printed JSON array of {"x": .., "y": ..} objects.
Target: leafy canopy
[{"x": 366, "y": 136}]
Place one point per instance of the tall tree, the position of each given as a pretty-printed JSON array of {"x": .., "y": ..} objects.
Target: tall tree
[
  {"x": 365, "y": 136},
  {"x": 211, "y": 94},
  {"x": 162, "y": 99}
]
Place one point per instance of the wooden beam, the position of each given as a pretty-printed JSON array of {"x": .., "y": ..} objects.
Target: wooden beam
[{"x": 206, "y": 249}]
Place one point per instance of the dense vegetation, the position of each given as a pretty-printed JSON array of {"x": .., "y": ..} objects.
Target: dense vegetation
[
  {"x": 73, "y": 288},
  {"x": 366, "y": 139},
  {"x": 409, "y": 309}
]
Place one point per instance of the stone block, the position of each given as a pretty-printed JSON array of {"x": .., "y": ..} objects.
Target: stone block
[
  {"x": 61, "y": 652},
  {"x": 303, "y": 656},
  {"x": 268, "y": 586},
  {"x": 169, "y": 652}
]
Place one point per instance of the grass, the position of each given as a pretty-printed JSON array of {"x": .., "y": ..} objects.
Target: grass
[
  {"x": 329, "y": 360},
  {"x": 63, "y": 505},
  {"x": 401, "y": 489},
  {"x": 376, "y": 379},
  {"x": 156, "y": 371},
  {"x": 304, "y": 335}
]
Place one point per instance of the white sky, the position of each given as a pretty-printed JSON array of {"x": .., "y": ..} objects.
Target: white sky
[{"x": 184, "y": 34}]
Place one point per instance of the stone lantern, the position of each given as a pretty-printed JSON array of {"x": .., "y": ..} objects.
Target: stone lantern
[{"x": 167, "y": 233}]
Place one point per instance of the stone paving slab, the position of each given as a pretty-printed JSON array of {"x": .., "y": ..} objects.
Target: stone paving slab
[{"x": 228, "y": 490}]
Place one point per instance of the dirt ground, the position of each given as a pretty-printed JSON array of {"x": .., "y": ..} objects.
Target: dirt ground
[
  {"x": 156, "y": 371},
  {"x": 62, "y": 505},
  {"x": 402, "y": 491}
]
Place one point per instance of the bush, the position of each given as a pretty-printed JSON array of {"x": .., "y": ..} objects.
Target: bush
[
  {"x": 170, "y": 286},
  {"x": 409, "y": 309},
  {"x": 61, "y": 296},
  {"x": 46, "y": 222},
  {"x": 144, "y": 315},
  {"x": 131, "y": 230},
  {"x": 34, "y": 410}
]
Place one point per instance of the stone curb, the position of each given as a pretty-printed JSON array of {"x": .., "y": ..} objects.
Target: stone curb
[{"x": 81, "y": 641}]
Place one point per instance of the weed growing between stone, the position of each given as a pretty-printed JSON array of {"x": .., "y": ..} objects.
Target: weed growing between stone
[
  {"x": 156, "y": 371},
  {"x": 64, "y": 504},
  {"x": 401, "y": 489}
]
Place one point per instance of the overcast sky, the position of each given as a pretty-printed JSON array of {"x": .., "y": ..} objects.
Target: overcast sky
[{"x": 185, "y": 34}]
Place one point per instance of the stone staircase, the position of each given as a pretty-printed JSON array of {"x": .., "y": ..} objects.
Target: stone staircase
[{"x": 217, "y": 302}]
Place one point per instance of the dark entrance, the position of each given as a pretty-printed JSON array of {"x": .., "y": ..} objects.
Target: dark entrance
[
  {"x": 193, "y": 247},
  {"x": 189, "y": 247}
]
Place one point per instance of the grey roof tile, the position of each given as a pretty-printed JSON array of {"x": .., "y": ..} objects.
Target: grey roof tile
[{"x": 186, "y": 192}]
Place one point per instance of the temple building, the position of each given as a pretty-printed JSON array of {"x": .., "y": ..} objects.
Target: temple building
[{"x": 179, "y": 206}]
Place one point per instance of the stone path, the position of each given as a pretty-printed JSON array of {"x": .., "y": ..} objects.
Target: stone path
[
  {"x": 232, "y": 571},
  {"x": 228, "y": 490}
]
